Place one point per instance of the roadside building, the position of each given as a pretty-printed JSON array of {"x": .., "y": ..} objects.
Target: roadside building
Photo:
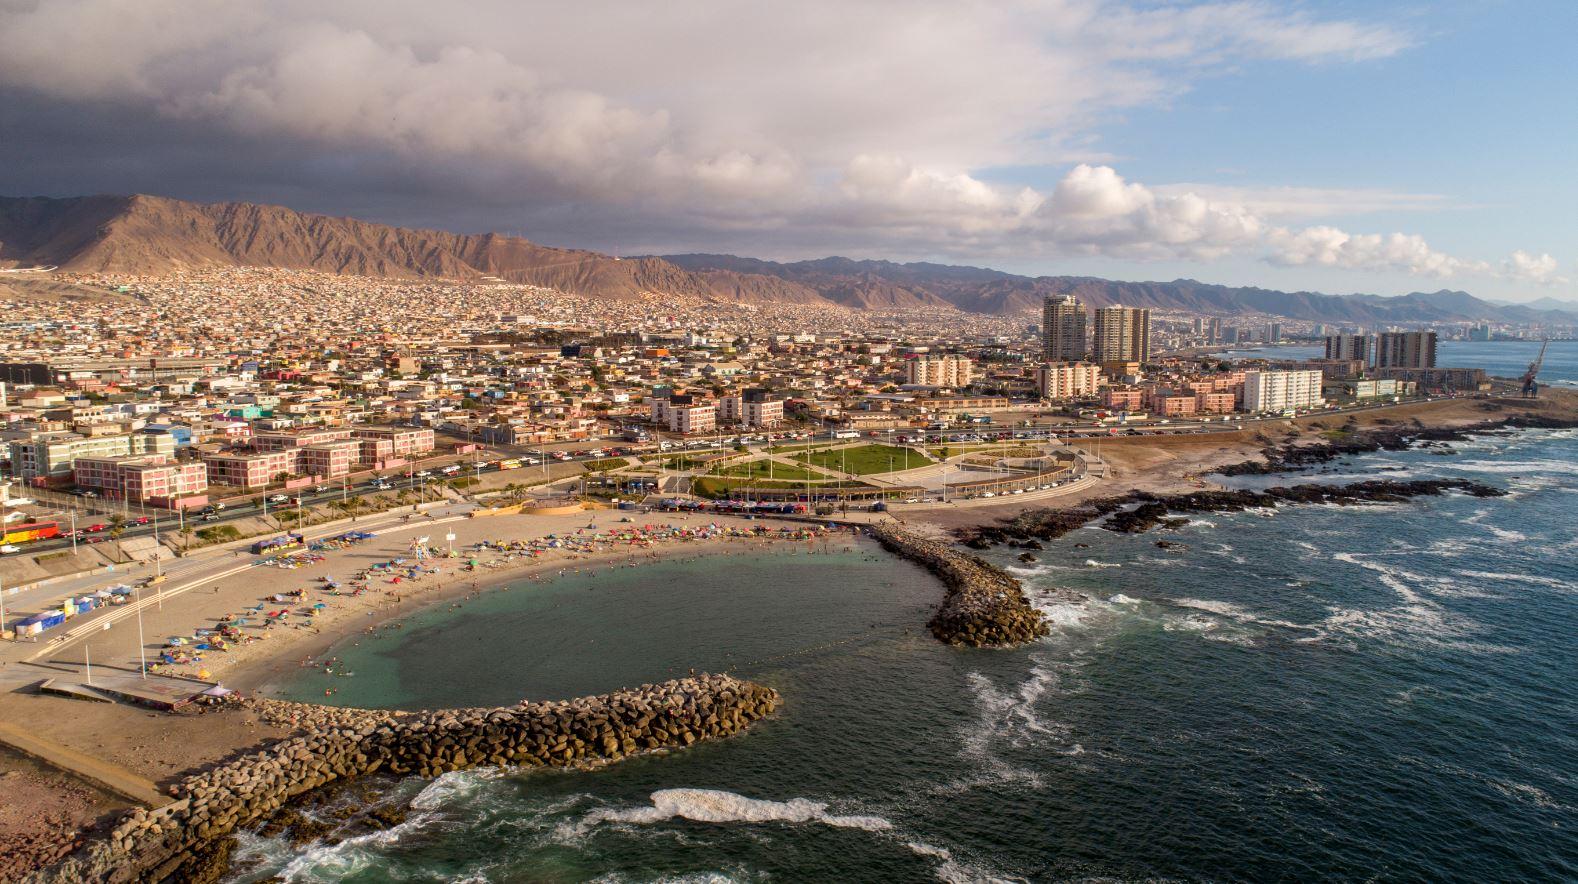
[
  {"x": 1123, "y": 398},
  {"x": 1067, "y": 380},
  {"x": 50, "y": 455},
  {"x": 151, "y": 478},
  {"x": 253, "y": 469},
  {"x": 939, "y": 371},
  {"x": 1278, "y": 391}
]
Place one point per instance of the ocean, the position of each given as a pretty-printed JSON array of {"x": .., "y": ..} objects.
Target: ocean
[
  {"x": 1381, "y": 692},
  {"x": 1506, "y": 359}
]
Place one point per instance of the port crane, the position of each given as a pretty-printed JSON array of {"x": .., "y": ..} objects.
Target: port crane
[{"x": 1531, "y": 387}]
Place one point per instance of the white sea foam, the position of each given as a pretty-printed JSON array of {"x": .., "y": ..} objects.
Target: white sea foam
[
  {"x": 1063, "y": 614},
  {"x": 1532, "y": 579},
  {"x": 1092, "y": 563},
  {"x": 351, "y": 856},
  {"x": 1235, "y": 613},
  {"x": 1011, "y": 716},
  {"x": 1417, "y": 619},
  {"x": 718, "y": 806},
  {"x": 453, "y": 786},
  {"x": 1121, "y": 599}
]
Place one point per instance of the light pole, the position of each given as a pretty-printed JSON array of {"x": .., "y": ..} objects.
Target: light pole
[
  {"x": 142, "y": 646},
  {"x": 158, "y": 559}
]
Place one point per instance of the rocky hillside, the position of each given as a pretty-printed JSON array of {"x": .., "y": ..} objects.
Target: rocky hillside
[
  {"x": 153, "y": 235},
  {"x": 866, "y": 284}
]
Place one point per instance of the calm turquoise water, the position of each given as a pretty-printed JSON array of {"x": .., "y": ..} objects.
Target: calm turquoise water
[{"x": 1366, "y": 693}]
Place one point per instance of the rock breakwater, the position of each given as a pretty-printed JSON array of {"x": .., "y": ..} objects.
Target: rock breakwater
[
  {"x": 984, "y": 605},
  {"x": 188, "y": 840},
  {"x": 1140, "y": 511}
]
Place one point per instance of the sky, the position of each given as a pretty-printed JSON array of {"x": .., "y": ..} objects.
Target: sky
[{"x": 1332, "y": 146}]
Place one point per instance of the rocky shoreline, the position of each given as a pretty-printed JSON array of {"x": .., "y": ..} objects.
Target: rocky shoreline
[
  {"x": 1140, "y": 511},
  {"x": 190, "y": 839},
  {"x": 1294, "y": 456},
  {"x": 984, "y": 605}
]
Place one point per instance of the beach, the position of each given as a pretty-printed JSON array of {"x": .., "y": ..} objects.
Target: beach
[{"x": 289, "y": 613}]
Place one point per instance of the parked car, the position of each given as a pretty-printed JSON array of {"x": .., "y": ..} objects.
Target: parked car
[
  {"x": 96, "y": 528},
  {"x": 9, "y": 548}
]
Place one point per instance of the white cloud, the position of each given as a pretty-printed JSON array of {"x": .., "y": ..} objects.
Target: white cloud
[
  {"x": 863, "y": 122},
  {"x": 1524, "y": 267}
]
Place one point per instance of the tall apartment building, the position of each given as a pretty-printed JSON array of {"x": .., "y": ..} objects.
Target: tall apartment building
[
  {"x": 1406, "y": 350},
  {"x": 1066, "y": 380},
  {"x": 1063, "y": 329},
  {"x": 1122, "y": 334},
  {"x": 939, "y": 371},
  {"x": 752, "y": 408},
  {"x": 692, "y": 418},
  {"x": 1348, "y": 347},
  {"x": 1277, "y": 391}
]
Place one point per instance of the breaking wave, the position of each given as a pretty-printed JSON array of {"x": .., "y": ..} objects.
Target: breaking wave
[{"x": 717, "y": 806}]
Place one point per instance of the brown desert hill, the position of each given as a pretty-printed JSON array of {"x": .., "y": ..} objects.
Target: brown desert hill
[{"x": 148, "y": 235}]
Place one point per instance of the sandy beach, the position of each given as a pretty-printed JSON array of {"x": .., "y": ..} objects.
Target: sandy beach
[{"x": 284, "y": 616}]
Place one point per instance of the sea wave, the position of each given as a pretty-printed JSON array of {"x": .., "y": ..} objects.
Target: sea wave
[
  {"x": 1417, "y": 619},
  {"x": 1237, "y": 614},
  {"x": 718, "y": 806}
]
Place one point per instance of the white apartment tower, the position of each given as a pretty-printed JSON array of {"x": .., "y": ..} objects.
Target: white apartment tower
[{"x": 1278, "y": 391}]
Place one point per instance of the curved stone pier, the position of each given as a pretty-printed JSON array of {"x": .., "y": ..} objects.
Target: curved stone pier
[
  {"x": 984, "y": 606},
  {"x": 182, "y": 841}
]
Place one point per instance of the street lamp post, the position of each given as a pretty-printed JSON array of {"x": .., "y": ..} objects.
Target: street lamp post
[{"x": 142, "y": 646}]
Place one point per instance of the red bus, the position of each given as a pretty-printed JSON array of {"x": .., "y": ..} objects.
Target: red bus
[{"x": 31, "y": 531}]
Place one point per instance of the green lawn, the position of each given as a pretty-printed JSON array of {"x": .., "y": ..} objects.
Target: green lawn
[
  {"x": 607, "y": 463},
  {"x": 863, "y": 460},
  {"x": 759, "y": 469},
  {"x": 718, "y": 486}
]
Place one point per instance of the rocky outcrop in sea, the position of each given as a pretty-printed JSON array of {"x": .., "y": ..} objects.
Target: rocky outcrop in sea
[{"x": 1140, "y": 511}]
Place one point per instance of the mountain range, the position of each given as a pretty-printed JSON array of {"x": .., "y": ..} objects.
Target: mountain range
[{"x": 150, "y": 235}]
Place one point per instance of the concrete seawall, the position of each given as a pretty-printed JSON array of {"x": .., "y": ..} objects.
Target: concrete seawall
[
  {"x": 984, "y": 606},
  {"x": 188, "y": 839}
]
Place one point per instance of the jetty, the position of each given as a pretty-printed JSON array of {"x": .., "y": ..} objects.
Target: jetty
[
  {"x": 984, "y": 605},
  {"x": 189, "y": 839}
]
